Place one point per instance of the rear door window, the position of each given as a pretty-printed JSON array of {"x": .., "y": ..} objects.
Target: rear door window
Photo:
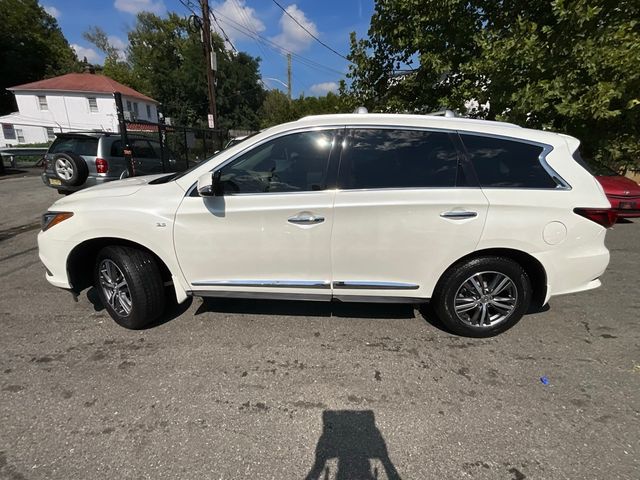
[
  {"x": 142, "y": 149},
  {"x": 87, "y": 146},
  {"x": 502, "y": 163},
  {"x": 397, "y": 158}
]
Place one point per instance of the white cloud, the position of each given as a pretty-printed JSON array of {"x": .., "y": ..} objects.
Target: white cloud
[
  {"x": 92, "y": 55},
  {"x": 137, "y": 6},
  {"x": 324, "y": 88},
  {"x": 292, "y": 37},
  {"x": 234, "y": 15},
  {"x": 120, "y": 44},
  {"x": 51, "y": 10}
]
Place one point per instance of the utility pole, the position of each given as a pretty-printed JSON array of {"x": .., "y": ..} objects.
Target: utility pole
[
  {"x": 211, "y": 74},
  {"x": 289, "y": 75}
]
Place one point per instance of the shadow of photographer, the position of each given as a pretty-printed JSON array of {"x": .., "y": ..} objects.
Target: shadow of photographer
[{"x": 351, "y": 441}]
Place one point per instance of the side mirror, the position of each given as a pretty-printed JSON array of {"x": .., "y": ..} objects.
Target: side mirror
[{"x": 210, "y": 185}]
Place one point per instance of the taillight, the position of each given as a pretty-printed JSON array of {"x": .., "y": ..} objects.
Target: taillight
[
  {"x": 102, "y": 166},
  {"x": 602, "y": 216}
]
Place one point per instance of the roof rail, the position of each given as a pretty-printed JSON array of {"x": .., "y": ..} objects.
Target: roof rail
[{"x": 443, "y": 113}]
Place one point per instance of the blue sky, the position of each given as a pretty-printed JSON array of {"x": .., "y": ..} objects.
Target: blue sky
[{"x": 316, "y": 70}]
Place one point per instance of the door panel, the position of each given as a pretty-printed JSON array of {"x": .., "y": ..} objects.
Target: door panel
[
  {"x": 246, "y": 242},
  {"x": 400, "y": 236}
]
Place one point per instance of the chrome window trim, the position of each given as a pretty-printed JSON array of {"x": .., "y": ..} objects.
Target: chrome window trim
[
  {"x": 561, "y": 183},
  {"x": 348, "y": 284},
  {"x": 323, "y": 284}
]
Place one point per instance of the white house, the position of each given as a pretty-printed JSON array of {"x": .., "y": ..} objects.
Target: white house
[{"x": 72, "y": 102}]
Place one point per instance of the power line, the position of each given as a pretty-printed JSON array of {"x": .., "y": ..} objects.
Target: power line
[
  {"x": 310, "y": 34},
  {"x": 276, "y": 47},
  {"x": 189, "y": 6},
  {"x": 247, "y": 22},
  {"x": 226, "y": 37}
]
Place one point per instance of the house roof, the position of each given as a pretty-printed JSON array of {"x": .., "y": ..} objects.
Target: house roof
[{"x": 82, "y": 82}]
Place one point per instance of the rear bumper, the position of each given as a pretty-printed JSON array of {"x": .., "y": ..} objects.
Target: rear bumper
[
  {"x": 625, "y": 207},
  {"x": 91, "y": 181},
  {"x": 576, "y": 271}
]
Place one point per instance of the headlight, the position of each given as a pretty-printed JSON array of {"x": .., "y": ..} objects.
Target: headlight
[{"x": 50, "y": 219}]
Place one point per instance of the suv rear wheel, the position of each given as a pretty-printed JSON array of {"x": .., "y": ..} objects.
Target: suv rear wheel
[
  {"x": 483, "y": 296},
  {"x": 130, "y": 286}
]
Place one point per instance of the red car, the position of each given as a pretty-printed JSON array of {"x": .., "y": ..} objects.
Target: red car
[{"x": 622, "y": 192}]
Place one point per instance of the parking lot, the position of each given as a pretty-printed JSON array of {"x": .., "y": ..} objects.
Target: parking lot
[{"x": 236, "y": 389}]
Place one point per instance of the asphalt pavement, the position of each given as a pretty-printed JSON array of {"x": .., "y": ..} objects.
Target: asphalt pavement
[{"x": 238, "y": 389}]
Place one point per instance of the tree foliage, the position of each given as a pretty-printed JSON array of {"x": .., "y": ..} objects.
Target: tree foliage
[
  {"x": 567, "y": 65},
  {"x": 32, "y": 47},
  {"x": 164, "y": 60},
  {"x": 277, "y": 108}
]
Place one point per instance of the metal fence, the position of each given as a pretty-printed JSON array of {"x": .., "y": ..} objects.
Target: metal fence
[{"x": 180, "y": 147}]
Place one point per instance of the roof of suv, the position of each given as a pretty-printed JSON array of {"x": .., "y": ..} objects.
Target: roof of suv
[
  {"x": 398, "y": 118},
  {"x": 471, "y": 125}
]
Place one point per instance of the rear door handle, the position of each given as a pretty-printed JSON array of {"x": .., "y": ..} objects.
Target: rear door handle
[
  {"x": 305, "y": 219},
  {"x": 458, "y": 214}
]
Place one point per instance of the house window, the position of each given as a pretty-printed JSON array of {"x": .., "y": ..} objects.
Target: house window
[
  {"x": 135, "y": 108},
  {"x": 50, "y": 134},
  {"x": 8, "y": 131},
  {"x": 149, "y": 112},
  {"x": 42, "y": 102},
  {"x": 93, "y": 104},
  {"x": 20, "y": 135},
  {"x": 129, "y": 105}
]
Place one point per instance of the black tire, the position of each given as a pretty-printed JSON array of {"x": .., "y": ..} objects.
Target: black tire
[
  {"x": 144, "y": 288},
  {"x": 452, "y": 288},
  {"x": 70, "y": 168}
]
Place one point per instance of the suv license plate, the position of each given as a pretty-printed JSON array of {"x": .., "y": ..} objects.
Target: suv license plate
[
  {"x": 627, "y": 205},
  {"x": 54, "y": 181}
]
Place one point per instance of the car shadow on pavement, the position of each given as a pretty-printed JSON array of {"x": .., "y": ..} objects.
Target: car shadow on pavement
[
  {"x": 305, "y": 309},
  {"x": 352, "y": 445}
]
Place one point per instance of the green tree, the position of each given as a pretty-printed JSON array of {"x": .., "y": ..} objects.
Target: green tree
[
  {"x": 115, "y": 63},
  {"x": 165, "y": 61},
  {"x": 277, "y": 108},
  {"x": 568, "y": 65},
  {"x": 32, "y": 47}
]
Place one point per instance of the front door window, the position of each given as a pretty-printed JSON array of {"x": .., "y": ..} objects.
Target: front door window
[{"x": 292, "y": 163}]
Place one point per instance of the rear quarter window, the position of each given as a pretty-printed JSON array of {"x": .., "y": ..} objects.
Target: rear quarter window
[
  {"x": 501, "y": 163},
  {"x": 87, "y": 146}
]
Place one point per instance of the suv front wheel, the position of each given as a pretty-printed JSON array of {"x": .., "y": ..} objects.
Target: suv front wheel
[
  {"x": 483, "y": 296},
  {"x": 130, "y": 286}
]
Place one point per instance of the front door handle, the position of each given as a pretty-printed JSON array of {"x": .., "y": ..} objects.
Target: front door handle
[
  {"x": 306, "y": 219},
  {"x": 458, "y": 214}
]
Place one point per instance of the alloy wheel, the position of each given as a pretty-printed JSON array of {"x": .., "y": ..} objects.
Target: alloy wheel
[
  {"x": 115, "y": 288},
  {"x": 64, "y": 168},
  {"x": 486, "y": 299}
]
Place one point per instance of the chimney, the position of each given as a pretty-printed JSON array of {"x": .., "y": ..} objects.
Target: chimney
[{"x": 88, "y": 68}]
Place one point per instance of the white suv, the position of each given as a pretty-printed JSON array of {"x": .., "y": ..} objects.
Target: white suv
[{"x": 485, "y": 219}]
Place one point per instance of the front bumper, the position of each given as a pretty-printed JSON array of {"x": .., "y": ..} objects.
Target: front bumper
[{"x": 53, "y": 254}]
